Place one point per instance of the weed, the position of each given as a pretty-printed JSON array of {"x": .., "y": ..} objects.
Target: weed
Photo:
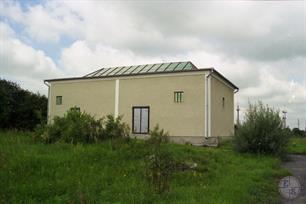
[{"x": 160, "y": 163}]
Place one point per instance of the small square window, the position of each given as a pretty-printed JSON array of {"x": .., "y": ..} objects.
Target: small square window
[
  {"x": 178, "y": 96},
  {"x": 59, "y": 100}
]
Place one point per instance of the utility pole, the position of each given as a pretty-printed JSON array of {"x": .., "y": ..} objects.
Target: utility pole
[
  {"x": 238, "y": 121},
  {"x": 284, "y": 118},
  {"x": 298, "y": 120}
]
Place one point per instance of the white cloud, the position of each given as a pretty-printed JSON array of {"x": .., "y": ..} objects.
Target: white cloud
[
  {"x": 260, "y": 46},
  {"x": 44, "y": 23},
  {"x": 12, "y": 10},
  {"x": 5, "y": 31},
  {"x": 81, "y": 58},
  {"x": 256, "y": 30},
  {"x": 280, "y": 94},
  {"x": 274, "y": 90},
  {"x": 20, "y": 60}
]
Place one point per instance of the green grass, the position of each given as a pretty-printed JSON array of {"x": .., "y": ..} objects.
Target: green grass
[
  {"x": 297, "y": 145},
  {"x": 63, "y": 173}
]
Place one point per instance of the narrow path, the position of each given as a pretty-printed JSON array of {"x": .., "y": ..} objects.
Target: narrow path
[{"x": 297, "y": 166}]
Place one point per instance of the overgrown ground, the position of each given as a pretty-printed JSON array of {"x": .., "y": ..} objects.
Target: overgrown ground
[
  {"x": 62, "y": 173},
  {"x": 297, "y": 145}
]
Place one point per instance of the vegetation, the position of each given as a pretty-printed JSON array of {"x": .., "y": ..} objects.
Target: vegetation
[
  {"x": 58, "y": 165},
  {"x": 34, "y": 172},
  {"x": 297, "y": 145},
  {"x": 262, "y": 132},
  {"x": 19, "y": 108},
  {"x": 298, "y": 133},
  {"x": 79, "y": 127},
  {"x": 160, "y": 163}
]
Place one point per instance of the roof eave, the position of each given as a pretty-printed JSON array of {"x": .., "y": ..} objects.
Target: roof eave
[
  {"x": 225, "y": 79},
  {"x": 211, "y": 69},
  {"x": 127, "y": 75}
]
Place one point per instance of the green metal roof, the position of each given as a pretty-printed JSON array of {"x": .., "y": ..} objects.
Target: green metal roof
[{"x": 141, "y": 69}]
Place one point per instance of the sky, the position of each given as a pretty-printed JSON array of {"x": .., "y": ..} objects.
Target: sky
[{"x": 260, "y": 46}]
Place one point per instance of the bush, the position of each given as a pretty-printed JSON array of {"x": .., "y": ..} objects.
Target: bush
[
  {"x": 116, "y": 130},
  {"x": 262, "y": 132},
  {"x": 159, "y": 163},
  {"x": 80, "y": 127}
]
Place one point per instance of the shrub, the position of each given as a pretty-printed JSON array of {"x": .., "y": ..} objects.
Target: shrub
[
  {"x": 159, "y": 163},
  {"x": 74, "y": 127},
  {"x": 80, "y": 127},
  {"x": 116, "y": 130},
  {"x": 261, "y": 132}
]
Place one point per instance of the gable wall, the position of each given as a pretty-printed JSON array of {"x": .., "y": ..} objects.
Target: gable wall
[{"x": 222, "y": 118}]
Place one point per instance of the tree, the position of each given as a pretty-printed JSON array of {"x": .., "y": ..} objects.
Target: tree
[
  {"x": 297, "y": 132},
  {"x": 19, "y": 108}
]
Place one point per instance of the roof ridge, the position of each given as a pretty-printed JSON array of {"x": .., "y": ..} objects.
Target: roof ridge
[{"x": 153, "y": 63}]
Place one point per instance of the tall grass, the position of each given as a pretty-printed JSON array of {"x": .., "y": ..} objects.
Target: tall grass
[{"x": 64, "y": 173}]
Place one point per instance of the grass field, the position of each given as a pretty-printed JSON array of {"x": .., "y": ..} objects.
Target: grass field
[
  {"x": 297, "y": 145},
  {"x": 63, "y": 173}
]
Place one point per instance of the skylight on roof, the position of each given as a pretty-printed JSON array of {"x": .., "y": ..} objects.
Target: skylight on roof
[{"x": 142, "y": 69}]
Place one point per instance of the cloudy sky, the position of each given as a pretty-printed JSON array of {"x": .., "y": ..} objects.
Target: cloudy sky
[{"x": 259, "y": 46}]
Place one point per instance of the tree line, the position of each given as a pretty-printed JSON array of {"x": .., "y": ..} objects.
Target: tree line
[{"x": 20, "y": 108}]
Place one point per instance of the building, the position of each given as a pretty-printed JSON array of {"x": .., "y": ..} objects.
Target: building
[{"x": 190, "y": 103}]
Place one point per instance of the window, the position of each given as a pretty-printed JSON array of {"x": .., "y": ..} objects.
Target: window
[
  {"x": 59, "y": 100},
  {"x": 223, "y": 102},
  {"x": 178, "y": 96},
  {"x": 76, "y": 108},
  {"x": 140, "y": 121}
]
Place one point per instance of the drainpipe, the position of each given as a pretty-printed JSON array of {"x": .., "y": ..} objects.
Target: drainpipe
[
  {"x": 48, "y": 108},
  {"x": 208, "y": 101},
  {"x": 117, "y": 98}
]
